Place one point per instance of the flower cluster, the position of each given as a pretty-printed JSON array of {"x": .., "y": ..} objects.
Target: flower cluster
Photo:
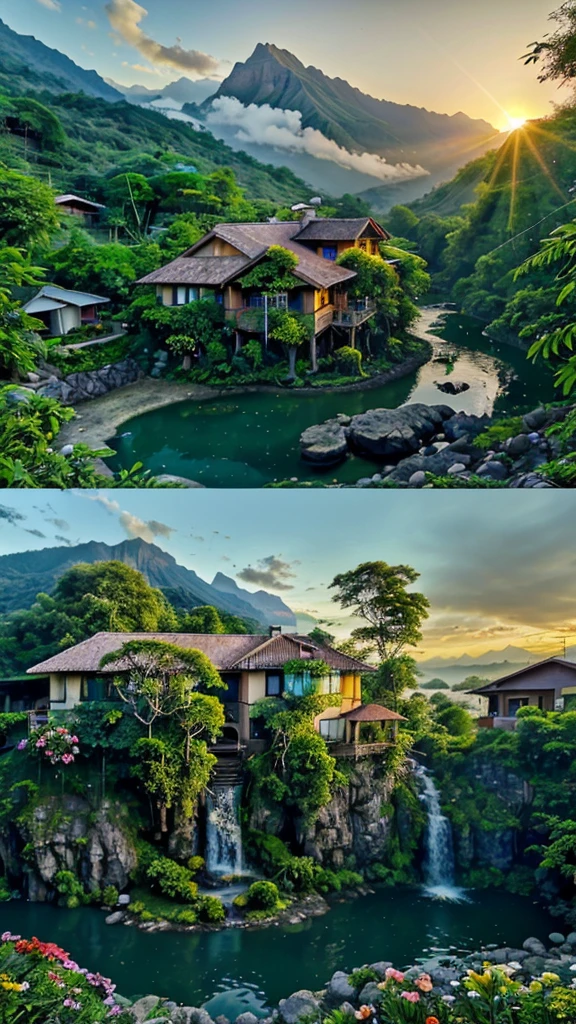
[
  {"x": 56, "y": 744},
  {"x": 41, "y": 981},
  {"x": 495, "y": 995}
]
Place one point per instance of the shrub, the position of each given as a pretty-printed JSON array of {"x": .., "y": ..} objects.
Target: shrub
[
  {"x": 110, "y": 896},
  {"x": 70, "y": 889},
  {"x": 361, "y": 977},
  {"x": 5, "y": 893},
  {"x": 172, "y": 880},
  {"x": 240, "y": 901},
  {"x": 499, "y": 432},
  {"x": 211, "y": 909},
  {"x": 195, "y": 864},
  {"x": 263, "y": 895},
  {"x": 349, "y": 361},
  {"x": 186, "y": 917},
  {"x": 138, "y": 907}
]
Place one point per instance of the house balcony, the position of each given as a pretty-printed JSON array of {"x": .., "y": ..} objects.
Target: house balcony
[
  {"x": 358, "y": 750},
  {"x": 354, "y": 316},
  {"x": 498, "y": 722}
]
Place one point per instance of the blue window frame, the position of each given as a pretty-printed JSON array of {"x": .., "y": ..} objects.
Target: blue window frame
[{"x": 330, "y": 252}]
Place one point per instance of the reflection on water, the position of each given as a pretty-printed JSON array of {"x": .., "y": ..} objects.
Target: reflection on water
[
  {"x": 235, "y": 969},
  {"x": 252, "y": 439}
]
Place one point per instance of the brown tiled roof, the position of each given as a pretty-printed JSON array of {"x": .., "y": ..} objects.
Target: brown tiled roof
[
  {"x": 226, "y": 652},
  {"x": 372, "y": 713},
  {"x": 202, "y": 270},
  {"x": 254, "y": 240},
  {"x": 338, "y": 229}
]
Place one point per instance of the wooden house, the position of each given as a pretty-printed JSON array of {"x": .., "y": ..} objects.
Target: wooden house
[
  {"x": 549, "y": 685},
  {"x": 89, "y": 213},
  {"x": 214, "y": 266},
  {"x": 252, "y": 667},
  {"x": 62, "y": 310}
]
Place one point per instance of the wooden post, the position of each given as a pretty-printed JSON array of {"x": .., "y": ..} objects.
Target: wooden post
[
  {"x": 357, "y": 732},
  {"x": 313, "y": 358},
  {"x": 353, "y": 338}
]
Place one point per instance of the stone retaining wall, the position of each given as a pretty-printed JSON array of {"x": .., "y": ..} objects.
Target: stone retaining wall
[{"x": 80, "y": 387}]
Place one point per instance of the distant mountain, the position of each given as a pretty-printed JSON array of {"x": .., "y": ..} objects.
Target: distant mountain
[
  {"x": 183, "y": 90},
  {"x": 28, "y": 573},
  {"x": 517, "y": 655},
  {"x": 271, "y": 607},
  {"x": 357, "y": 122},
  {"x": 27, "y": 63}
]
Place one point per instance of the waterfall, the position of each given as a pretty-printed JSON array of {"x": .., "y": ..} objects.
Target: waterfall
[
  {"x": 223, "y": 832},
  {"x": 439, "y": 859}
]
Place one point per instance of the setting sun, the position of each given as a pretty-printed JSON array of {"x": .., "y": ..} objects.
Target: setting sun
[{"x": 514, "y": 123}]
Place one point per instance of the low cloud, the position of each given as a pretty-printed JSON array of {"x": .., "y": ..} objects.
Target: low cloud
[
  {"x": 125, "y": 17},
  {"x": 146, "y": 530},
  {"x": 269, "y": 572},
  {"x": 52, "y": 5},
  {"x": 282, "y": 129},
  {"x": 60, "y": 524},
  {"x": 36, "y": 533}
]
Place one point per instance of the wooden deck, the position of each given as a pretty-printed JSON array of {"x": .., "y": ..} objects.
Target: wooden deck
[{"x": 358, "y": 750}]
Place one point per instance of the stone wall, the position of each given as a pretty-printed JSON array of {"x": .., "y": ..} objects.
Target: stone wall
[{"x": 81, "y": 387}]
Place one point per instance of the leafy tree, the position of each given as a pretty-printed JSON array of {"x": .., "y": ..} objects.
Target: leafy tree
[
  {"x": 184, "y": 231},
  {"x": 157, "y": 680},
  {"x": 377, "y": 593},
  {"x": 296, "y": 770},
  {"x": 28, "y": 214},
  {"x": 382, "y": 283},
  {"x": 557, "y": 53},
  {"x": 110, "y": 269},
  {"x": 456, "y": 719},
  {"x": 207, "y": 619},
  {"x": 87, "y": 599},
  {"x": 470, "y": 683},
  {"x": 321, "y": 636},
  {"x": 19, "y": 345},
  {"x": 40, "y": 120},
  {"x": 402, "y": 222},
  {"x": 393, "y": 677},
  {"x": 130, "y": 197},
  {"x": 291, "y": 330},
  {"x": 434, "y": 684}
]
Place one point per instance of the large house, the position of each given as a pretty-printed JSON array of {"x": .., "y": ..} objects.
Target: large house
[
  {"x": 252, "y": 667},
  {"x": 213, "y": 267},
  {"x": 549, "y": 685},
  {"x": 62, "y": 310}
]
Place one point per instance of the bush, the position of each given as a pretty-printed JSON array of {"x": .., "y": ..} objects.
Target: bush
[
  {"x": 138, "y": 907},
  {"x": 362, "y": 977},
  {"x": 70, "y": 889},
  {"x": 172, "y": 880},
  {"x": 263, "y": 895},
  {"x": 211, "y": 909},
  {"x": 349, "y": 361},
  {"x": 110, "y": 896},
  {"x": 195, "y": 864},
  {"x": 5, "y": 893},
  {"x": 186, "y": 917}
]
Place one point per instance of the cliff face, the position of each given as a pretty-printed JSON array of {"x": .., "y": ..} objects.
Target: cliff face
[{"x": 66, "y": 834}]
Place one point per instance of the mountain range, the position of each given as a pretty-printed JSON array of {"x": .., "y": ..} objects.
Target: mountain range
[
  {"x": 182, "y": 90},
  {"x": 25, "y": 574},
  {"x": 490, "y": 665}
]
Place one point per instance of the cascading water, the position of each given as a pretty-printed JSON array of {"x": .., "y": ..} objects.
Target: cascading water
[
  {"x": 223, "y": 832},
  {"x": 439, "y": 860}
]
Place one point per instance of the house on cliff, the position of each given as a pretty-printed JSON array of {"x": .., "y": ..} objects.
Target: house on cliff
[
  {"x": 213, "y": 267},
  {"x": 252, "y": 667},
  {"x": 549, "y": 685}
]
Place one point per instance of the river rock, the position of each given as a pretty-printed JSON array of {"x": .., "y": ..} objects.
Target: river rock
[
  {"x": 142, "y": 1009},
  {"x": 535, "y": 947},
  {"x": 519, "y": 445},
  {"x": 380, "y": 967},
  {"x": 116, "y": 918},
  {"x": 534, "y": 965},
  {"x": 418, "y": 479},
  {"x": 462, "y": 423},
  {"x": 324, "y": 443},
  {"x": 298, "y": 1005},
  {"x": 494, "y": 470},
  {"x": 247, "y": 1018},
  {"x": 438, "y": 464},
  {"x": 556, "y": 938},
  {"x": 393, "y": 433},
  {"x": 456, "y": 468},
  {"x": 339, "y": 989},
  {"x": 535, "y": 420},
  {"x": 571, "y": 938},
  {"x": 190, "y": 1015},
  {"x": 452, "y": 387},
  {"x": 183, "y": 481},
  {"x": 369, "y": 994}
]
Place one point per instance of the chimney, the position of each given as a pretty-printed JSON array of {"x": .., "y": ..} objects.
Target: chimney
[
  {"x": 275, "y": 630},
  {"x": 307, "y": 216}
]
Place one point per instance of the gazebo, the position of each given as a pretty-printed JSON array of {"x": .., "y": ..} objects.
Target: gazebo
[{"x": 353, "y": 745}]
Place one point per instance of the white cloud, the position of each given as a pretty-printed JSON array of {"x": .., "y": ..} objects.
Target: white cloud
[
  {"x": 282, "y": 129},
  {"x": 52, "y": 5},
  {"x": 132, "y": 524},
  {"x": 125, "y": 17}
]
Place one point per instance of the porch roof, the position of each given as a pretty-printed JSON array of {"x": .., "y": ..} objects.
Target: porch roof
[
  {"x": 372, "y": 713},
  {"x": 499, "y": 684}
]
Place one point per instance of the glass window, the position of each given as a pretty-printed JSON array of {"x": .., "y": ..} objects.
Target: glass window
[
  {"x": 273, "y": 684},
  {"x": 58, "y": 689},
  {"x": 330, "y": 252},
  {"x": 232, "y": 692},
  {"x": 331, "y": 683},
  {"x": 332, "y": 729}
]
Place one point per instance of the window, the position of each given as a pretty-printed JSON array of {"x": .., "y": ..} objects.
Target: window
[
  {"x": 331, "y": 683},
  {"x": 232, "y": 692},
  {"x": 97, "y": 688},
  {"x": 273, "y": 684},
  {"x": 58, "y": 689},
  {"x": 279, "y": 301},
  {"x": 182, "y": 294},
  {"x": 332, "y": 729},
  {"x": 330, "y": 252},
  {"x": 257, "y": 729}
]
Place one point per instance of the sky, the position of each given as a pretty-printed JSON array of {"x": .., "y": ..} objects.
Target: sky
[
  {"x": 499, "y": 568},
  {"x": 442, "y": 54}
]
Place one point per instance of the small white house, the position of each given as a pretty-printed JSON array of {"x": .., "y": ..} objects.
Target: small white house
[{"x": 61, "y": 310}]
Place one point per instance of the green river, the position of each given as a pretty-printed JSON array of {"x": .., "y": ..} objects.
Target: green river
[
  {"x": 233, "y": 970},
  {"x": 251, "y": 439}
]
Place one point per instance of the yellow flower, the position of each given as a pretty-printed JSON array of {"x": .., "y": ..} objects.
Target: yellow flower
[
  {"x": 549, "y": 978},
  {"x": 535, "y": 986}
]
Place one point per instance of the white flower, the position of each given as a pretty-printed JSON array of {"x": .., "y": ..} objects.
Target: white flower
[
  {"x": 455, "y": 984},
  {"x": 515, "y": 965},
  {"x": 573, "y": 967},
  {"x": 474, "y": 995},
  {"x": 448, "y": 999}
]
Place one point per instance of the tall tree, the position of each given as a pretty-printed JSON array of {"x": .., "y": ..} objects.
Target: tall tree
[
  {"x": 378, "y": 593},
  {"x": 28, "y": 214}
]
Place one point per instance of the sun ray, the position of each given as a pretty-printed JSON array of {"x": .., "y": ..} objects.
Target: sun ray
[
  {"x": 554, "y": 138},
  {"x": 545, "y": 169},
  {"x": 502, "y": 154},
  {"x": 514, "y": 180}
]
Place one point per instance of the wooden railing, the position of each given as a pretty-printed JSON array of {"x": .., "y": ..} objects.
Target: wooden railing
[
  {"x": 357, "y": 750},
  {"x": 353, "y": 317}
]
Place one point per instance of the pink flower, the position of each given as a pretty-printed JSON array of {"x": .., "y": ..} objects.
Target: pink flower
[
  {"x": 49, "y": 753},
  {"x": 22, "y": 745},
  {"x": 41, "y": 742},
  {"x": 412, "y": 997},
  {"x": 8, "y": 937},
  {"x": 74, "y": 739},
  {"x": 115, "y": 1011},
  {"x": 391, "y": 972},
  {"x": 67, "y": 758}
]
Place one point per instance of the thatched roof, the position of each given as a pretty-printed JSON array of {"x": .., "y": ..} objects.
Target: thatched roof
[
  {"x": 229, "y": 652},
  {"x": 372, "y": 713}
]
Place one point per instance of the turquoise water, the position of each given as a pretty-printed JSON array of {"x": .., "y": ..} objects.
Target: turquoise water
[
  {"x": 252, "y": 439},
  {"x": 235, "y": 969}
]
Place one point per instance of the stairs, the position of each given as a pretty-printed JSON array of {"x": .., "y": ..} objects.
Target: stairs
[{"x": 228, "y": 771}]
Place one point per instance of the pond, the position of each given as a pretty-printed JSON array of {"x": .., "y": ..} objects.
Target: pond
[
  {"x": 252, "y": 439},
  {"x": 234, "y": 970}
]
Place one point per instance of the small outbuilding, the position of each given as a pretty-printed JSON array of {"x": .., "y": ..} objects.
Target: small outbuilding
[
  {"x": 86, "y": 210},
  {"x": 62, "y": 310}
]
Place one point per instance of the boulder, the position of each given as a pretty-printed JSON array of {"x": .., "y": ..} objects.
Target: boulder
[
  {"x": 339, "y": 989},
  {"x": 116, "y": 918},
  {"x": 535, "y": 420},
  {"x": 169, "y": 478},
  {"x": 456, "y": 468},
  {"x": 324, "y": 443},
  {"x": 393, "y": 433},
  {"x": 418, "y": 479},
  {"x": 299, "y": 1004},
  {"x": 190, "y": 1015},
  {"x": 494, "y": 470},
  {"x": 452, "y": 387},
  {"x": 380, "y": 967},
  {"x": 438, "y": 464},
  {"x": 247, "y": 1018},
  {"x": 519, "y": 445},
  {"x": 556, "y": 938},
  {"x": 369, "y": 994},
  {"x": 462, "y": 423},
  {"x": 142, "y": 1009},
  {"x": 535, "y": 947}
]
